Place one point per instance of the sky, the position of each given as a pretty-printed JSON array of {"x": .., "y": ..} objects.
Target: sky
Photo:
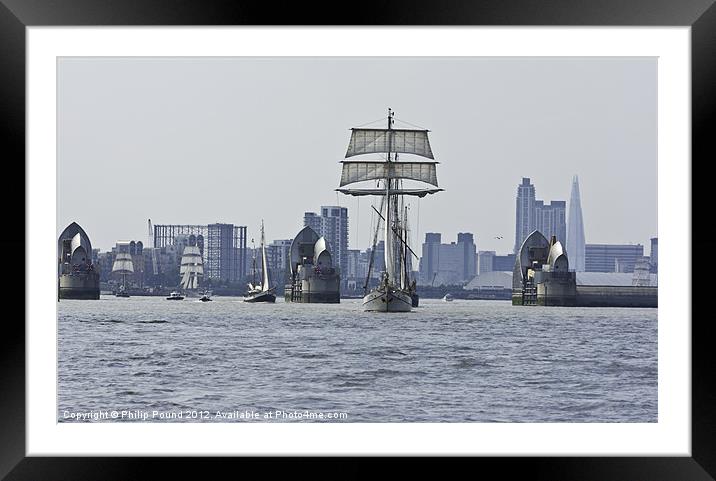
[{"x": 239, "y": 139}]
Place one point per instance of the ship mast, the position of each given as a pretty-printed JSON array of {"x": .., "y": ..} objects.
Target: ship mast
[
  {"x": 404, "y": 257},
  {"x": 264, "y": 264},
  {"x": 388, "y": 251},
  {"x": 253, "y": 263}
]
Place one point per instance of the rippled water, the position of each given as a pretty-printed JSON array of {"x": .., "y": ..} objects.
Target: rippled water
[{"x": 481, "y": 361}]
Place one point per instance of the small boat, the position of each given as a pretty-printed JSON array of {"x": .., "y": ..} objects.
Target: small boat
[
  {"x": 121, "y": 292},
  {"x": 205, "y": 297},
  {"x": 175, "y": 296},
  {"x": 448, "y": 297},
  {"x": 261, "y": 292}
]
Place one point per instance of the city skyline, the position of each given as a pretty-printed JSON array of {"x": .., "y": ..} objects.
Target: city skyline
[{"x": 125, "y": 124}]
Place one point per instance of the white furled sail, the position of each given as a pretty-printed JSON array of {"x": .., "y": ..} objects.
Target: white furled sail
[
  {"x": 123, "y": 264},
  {"x": 354, "y": 171},
  {"x": 389, "y": 247},
  {"x": 370, "y": 141},
  {"x": 264, "y": 263},
  {"x": 413, "y": 192}
]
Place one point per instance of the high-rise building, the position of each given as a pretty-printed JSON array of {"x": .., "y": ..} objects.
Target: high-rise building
[
  {"x": 612, "y": 257},
  {"x": 447, "y": 264},
  {"x": 332, "y": 224},
  {"x": 551, "y": 219},
  {"x": 223, "y": 259},
  {"x": 654, "y": 255},
  {"x": 429, "y": 260},
  {"x": 314, "y": 221},
  {"x": 524, "y": 212},
  {"x": 468, "y": 251},
  {"x": 575, "y": 230},
  {"x": 532, "y": 214},
  {"x": 278, "y": 255},
  {"x": 354, "y": 267},
  {"x": 504, "y": 263},
  {"x": 484, "y": 261}
]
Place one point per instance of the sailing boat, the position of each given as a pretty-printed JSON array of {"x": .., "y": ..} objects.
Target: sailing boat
[
  {"x": 262, "y": 292},
  {"x": 395, "y": 291},
  {"x": 192, "y": 267},
  {"x": 123, "y": 265}
]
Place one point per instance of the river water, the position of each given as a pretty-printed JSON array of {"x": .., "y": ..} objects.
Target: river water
[{"x": 149, "y": 359}]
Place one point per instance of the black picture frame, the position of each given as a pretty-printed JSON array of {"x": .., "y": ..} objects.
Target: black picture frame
[{"x": 700, "y": 15}]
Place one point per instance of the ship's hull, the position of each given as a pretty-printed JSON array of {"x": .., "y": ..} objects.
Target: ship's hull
[
  {"x": 387, "y": 299},
  {"x": 266, "y": 296}
]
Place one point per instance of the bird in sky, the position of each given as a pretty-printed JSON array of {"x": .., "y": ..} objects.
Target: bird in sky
[{"x": 498, "y": 237}]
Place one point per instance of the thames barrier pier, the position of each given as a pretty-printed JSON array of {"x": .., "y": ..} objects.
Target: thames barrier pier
[
  {"x": 313, "y": 277},
  {"x": 541, "y": 277},
  {"x": 77, "y": 276}
]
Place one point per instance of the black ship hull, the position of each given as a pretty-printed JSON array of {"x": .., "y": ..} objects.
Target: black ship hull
[{"x": 266, "y": 296}]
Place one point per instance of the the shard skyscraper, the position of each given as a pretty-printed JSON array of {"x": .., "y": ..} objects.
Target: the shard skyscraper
[{"x": 575, "y": 230}]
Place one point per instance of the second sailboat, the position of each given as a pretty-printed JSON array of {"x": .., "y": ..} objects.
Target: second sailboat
[{"x": 261, "y": 292}]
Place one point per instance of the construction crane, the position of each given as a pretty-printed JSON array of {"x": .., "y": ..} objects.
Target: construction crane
[{"x": 150, "y": 242}]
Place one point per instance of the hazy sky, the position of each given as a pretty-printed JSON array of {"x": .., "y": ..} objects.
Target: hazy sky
[{"x": 204, "y": 140}]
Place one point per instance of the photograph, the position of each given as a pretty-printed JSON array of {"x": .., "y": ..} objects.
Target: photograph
[
  {"x": 357, "y": 239},
  {"x": 254, "y": 235}
]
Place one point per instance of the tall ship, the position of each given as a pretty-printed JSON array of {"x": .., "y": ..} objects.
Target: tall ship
[
  {"x": 313, "y": 277},
  {"x": 78, "y": 277},
  {"x": 123, "y": 266},
  {"x": 395, "y": 291},
  {"x": 261, "y": 292},
  {"x": 192, "y": 268}
]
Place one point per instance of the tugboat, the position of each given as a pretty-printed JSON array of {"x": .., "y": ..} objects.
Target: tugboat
[
  {"x": 175, "y": 296},
  {"x": 262, "y": 292},
  {"x": 395, "y": 293}
]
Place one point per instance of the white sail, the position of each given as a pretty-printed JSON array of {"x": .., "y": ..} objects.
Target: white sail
[
  {"x": 369, "y": 141},
  {"x": 185, "y": 280},
  {"x": 192, "y": 266},
  {"x": 401, "y": 250},
  {"x": 264, "y": 264},
  {"x": 123, "y": 263},
  {"x": 359, "y": 171}
]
